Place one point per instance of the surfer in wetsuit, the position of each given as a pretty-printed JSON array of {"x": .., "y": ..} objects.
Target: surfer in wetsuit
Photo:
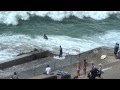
[
  {"x": 60, "y": 54},
  {"x": 45, "y": 37}
]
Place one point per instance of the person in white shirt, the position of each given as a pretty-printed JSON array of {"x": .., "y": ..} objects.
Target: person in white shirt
[
  {"x": 100, "y": 70},
  {"x": 48, "y": 70},
  {"x": 15, "y": 76}
]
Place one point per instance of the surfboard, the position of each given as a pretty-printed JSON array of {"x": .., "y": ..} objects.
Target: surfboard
[
  {"x": 106, "y": 68},
  {"x": 103, "y": 56}
]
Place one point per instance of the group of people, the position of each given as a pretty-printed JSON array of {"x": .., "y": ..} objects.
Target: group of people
[
  {"x": 84, "y": 64},
  {"x": 95, "y": 71}
]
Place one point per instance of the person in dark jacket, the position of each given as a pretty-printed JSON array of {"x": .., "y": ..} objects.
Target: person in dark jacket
[
  {"x": 116, "y": 48},
  {"x": 93, "y": 73},
  {"x": 61, "y": 52}
]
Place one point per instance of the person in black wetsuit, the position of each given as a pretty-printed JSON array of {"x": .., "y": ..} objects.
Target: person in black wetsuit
[
  {"x": 45, "y": 37},
  {"x": 60, "y": 54}
]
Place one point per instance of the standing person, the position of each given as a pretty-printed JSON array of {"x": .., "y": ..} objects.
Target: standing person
[
  {"x": 116, "y": 48},
  {"x": 84, "y": 66},
  {"x": 78, "y": 69},
  {"x": 15, "y": 76},
  {"x": 100, "y": 70},
  {"x": 118, "y": 55},
  {"x": 48, "y": 70},
  {"x": 61, "y": 52},
  {"x": 92, "y": 66}
]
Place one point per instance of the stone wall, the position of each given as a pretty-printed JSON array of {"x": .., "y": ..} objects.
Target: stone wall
[{"x": 25, "y": 58}]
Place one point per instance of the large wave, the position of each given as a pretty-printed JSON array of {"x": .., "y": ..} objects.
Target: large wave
[{"x": 13, "y": 17}]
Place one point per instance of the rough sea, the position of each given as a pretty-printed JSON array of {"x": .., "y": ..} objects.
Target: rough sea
[{"x": 75, "y": 31}]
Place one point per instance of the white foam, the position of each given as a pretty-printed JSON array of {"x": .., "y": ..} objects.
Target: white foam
[
  {"x": 109, "y": 38},
  {"x": 12, "y": 17},
  {"x": 59, "y": 58},
  {"x": 11, "y": 46},
  {"x": 15, "y": 44}
]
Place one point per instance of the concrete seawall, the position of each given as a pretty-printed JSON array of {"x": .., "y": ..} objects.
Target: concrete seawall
[{"x": 25, "y": 58}]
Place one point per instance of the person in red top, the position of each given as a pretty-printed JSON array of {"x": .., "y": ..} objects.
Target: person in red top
[{"x": 85, "y": 66}]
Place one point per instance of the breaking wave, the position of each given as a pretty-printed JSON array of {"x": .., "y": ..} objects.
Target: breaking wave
[{"x": 13, "y": 17}]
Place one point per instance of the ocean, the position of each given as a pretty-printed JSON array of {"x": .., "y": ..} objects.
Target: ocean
[{"x": 75, "y": 31}]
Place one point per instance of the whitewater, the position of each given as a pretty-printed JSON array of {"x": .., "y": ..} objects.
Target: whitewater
[
  {"x": 75, "y": 31},
  {"x": 12, "y": 17}
]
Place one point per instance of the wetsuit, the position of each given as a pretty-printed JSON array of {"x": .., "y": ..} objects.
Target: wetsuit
[{"x": 60, "y": 55}]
